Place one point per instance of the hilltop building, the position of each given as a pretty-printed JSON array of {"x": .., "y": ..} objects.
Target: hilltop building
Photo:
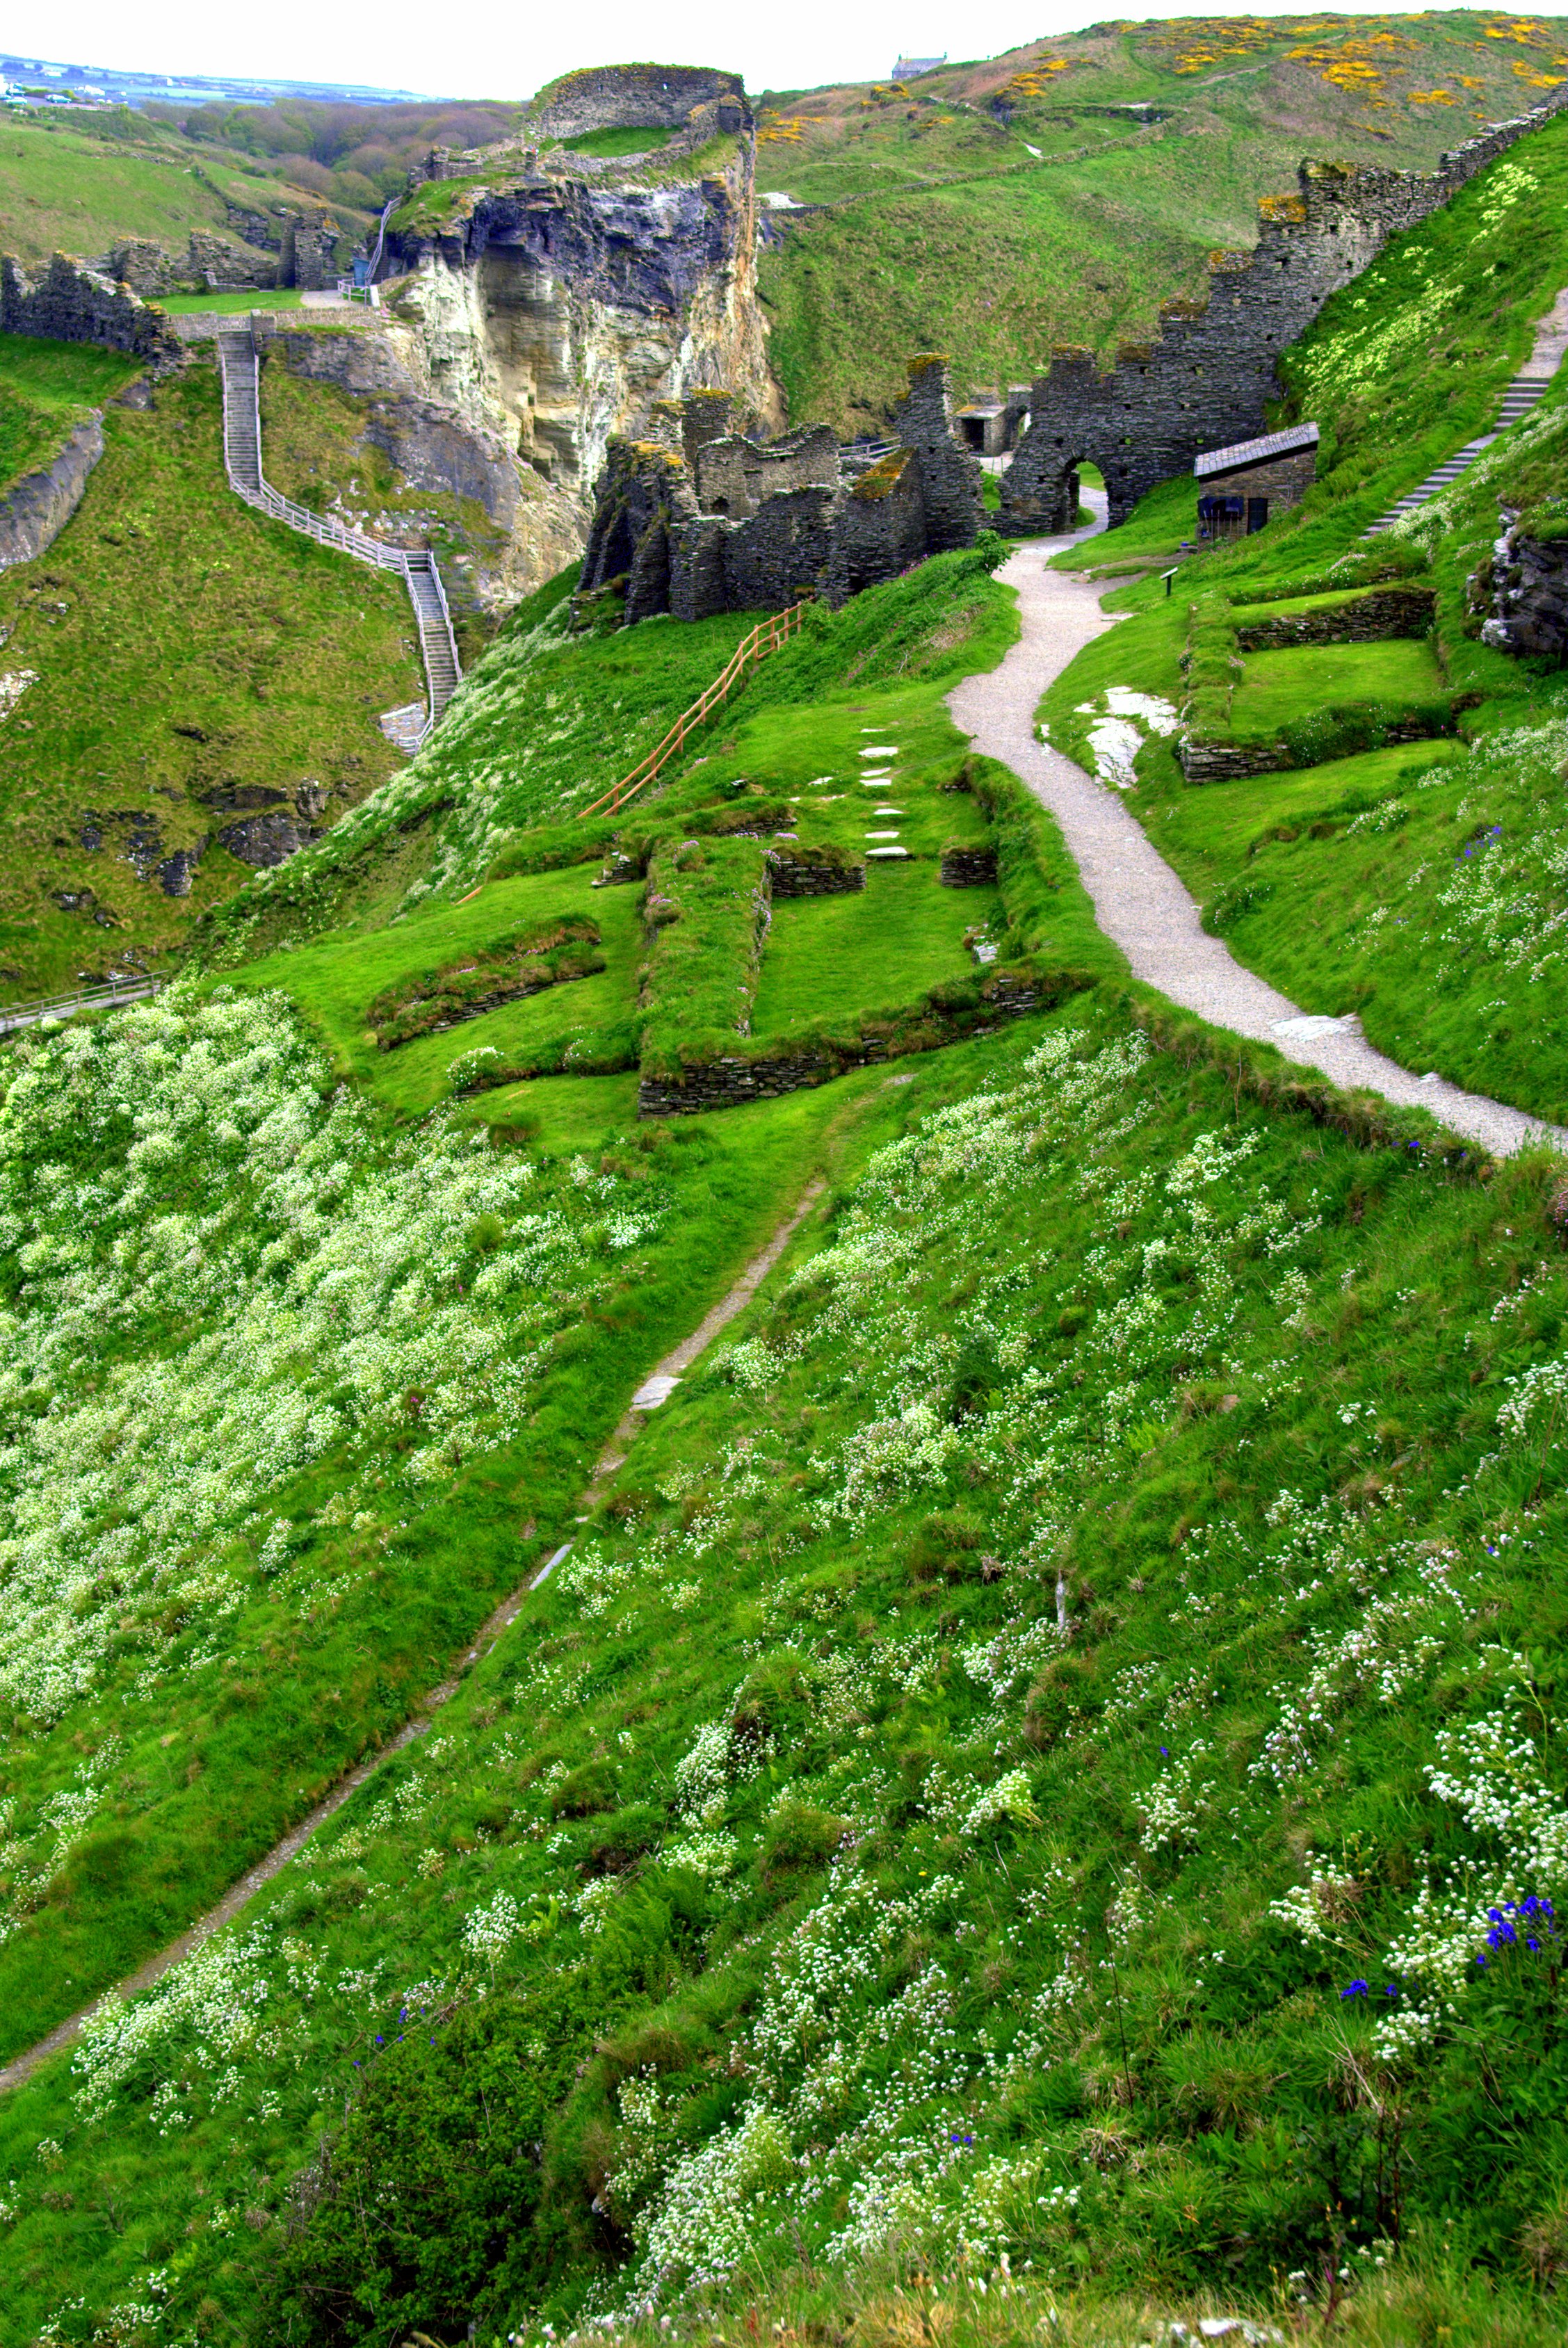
[{"x": 911, "y": 68}]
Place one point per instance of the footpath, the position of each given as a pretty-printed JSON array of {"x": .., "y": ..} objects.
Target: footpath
[{"x": 1139, "y": 901}]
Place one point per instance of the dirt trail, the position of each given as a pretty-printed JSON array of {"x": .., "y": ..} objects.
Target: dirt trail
[
  {"x": 654, "y": 1389},
  {"x": 1138, "y": 899}
]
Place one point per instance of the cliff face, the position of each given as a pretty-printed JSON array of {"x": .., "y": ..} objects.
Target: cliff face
[{"x": 553, "y": 307}]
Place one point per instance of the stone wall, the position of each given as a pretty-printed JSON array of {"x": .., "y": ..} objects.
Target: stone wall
[
  {"x": 1201, "y": 382},
  {"x": 1388, "y": 611},
  {"x": 1229, "y": 762},
  {"x": 35, "y": 510},
  {"x": 967, "y": 864},
  {"x": 695, "y": 522},
  {"x": 814, "y": 872},
  {"x": 728, "y": 1082},
  {"x": 70, "y": 303}
]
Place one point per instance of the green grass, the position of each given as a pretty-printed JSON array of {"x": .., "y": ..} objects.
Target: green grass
[
  {"x": 1297, "y": 682},
  {"x": 828, "y": 957},
  {"x": 1100, "y": 1323},
  {"x": 261, "y": 297},
  {"x": 222, "y": 1714},
  {"x": 45, "y": 389},
  {"x": 186, "y": 651},
  {"x": 335, "y": 980},
  {"x": 623, "y": 142}
]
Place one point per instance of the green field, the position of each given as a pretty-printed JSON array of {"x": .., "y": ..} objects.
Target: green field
[
  {"x": 996, "y": 208},
  {"x": 829, "y": 956},
  {"x": 186, "y": 654}
]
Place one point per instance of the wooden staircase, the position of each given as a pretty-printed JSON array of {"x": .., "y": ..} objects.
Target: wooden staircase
[{"x": 415, "y": 565}]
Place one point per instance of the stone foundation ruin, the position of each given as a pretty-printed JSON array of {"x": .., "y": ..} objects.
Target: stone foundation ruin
[
  {"x": 696, "y": 519},
  {"x": 1203, "y": 380}
]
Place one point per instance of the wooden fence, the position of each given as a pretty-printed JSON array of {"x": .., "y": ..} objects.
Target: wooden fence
[{"x": 766, "y": 637}]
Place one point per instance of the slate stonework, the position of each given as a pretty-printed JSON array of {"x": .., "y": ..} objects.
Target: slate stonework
[{"x": 1203, "y": 381}]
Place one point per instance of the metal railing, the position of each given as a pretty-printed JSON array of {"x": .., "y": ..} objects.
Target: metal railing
[
  {"x": 90, "y": 998},
  {"x": 765, "y": 638},
  {"x": 327, "y": 532}
]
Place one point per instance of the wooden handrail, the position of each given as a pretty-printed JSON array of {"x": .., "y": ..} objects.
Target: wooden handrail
[{"x": 765, "y": 637}]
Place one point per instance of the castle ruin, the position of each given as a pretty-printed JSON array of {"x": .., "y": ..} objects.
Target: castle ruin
[{"x": 697, "y": 518}]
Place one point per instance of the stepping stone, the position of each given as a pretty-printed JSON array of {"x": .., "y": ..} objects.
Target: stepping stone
[
  {"x": 1307, "y": 1024},
  {"x": 882, "y": 835},
  {"x": 887, "y": 810},
  {"x": 886, "y": 852},
  {"x": 652, "y": 1392},
  {"x": 881, "y": 750}
]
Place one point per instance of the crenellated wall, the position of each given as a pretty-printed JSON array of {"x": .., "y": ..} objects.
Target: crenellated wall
[{"x": 1202, "y": 382}]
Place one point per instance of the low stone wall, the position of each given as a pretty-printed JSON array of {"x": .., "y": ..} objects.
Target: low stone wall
[
  {"x": 34, "y": 512},
  {"x": 967, "y": 867},
  {"x": 732, "y": 1081},
  {"x": 1229, "y": 762},
  {"x": 814, "y": 874},
  {"x": 1386, "y": 612},
  {"x": 70, "y": 303}
]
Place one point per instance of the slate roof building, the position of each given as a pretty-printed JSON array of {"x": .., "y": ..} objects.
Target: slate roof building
[{"x": 1240, "y": 486}]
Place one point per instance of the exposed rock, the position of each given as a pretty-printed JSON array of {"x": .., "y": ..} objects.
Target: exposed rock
[
  {"x": 264, "y": 841},
  {"x": 34, "y": 510},
  {"x": 1525, "y": 589},
  {"x": 71, "y": 302},
  {"x": 176, "y": 873}
]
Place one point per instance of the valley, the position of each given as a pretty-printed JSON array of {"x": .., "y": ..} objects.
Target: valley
[{"x": 784, "y": 1478}]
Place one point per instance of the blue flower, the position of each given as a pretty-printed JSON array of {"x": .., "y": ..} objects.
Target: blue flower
[{"x": 1357, "y": 1989}]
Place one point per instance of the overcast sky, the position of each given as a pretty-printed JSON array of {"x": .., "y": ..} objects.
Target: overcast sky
[{"x": 506, "y": 52}]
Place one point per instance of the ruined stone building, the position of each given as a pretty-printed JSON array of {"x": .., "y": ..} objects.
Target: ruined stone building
[
  {"x": 1204, "y": 378},
  {"x": 1239, "y": 488},
  {"x": 697, "y": 518}
]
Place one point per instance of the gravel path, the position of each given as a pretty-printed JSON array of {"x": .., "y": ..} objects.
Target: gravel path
[{"x": 1138, "y": 899}]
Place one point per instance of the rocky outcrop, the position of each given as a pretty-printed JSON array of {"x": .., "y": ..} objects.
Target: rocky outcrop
[
  {"x": 71, "y": 302},
  {"x": 553, "y": 308},
  {"x": 635, "y": 98},
  {"x": 1523, "y": 589},
  {"x": 34, "y": 512},
  {"x": 434, "y": 448}
]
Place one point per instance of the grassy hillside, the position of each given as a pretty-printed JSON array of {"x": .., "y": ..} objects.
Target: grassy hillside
[
  {"x": 45, "y": 390},
  {"x": 1419, "y": 886},
  {"x": 945, "y": 1805},
  {"x": 189, "y": 662},
  {"x": 993, "y": 209},
  {"x": 82, "y": 183}
]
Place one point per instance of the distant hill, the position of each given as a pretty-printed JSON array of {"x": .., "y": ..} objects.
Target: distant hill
[{"x": 1062, "y": 191}]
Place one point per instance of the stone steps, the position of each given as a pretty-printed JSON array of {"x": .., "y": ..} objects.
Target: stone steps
[
  {"x": 240, "y": 375},
  {"x": 1528, "y": 387}
]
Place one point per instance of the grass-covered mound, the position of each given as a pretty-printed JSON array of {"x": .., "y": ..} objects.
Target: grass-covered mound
[
  {"x": 1020, "y": 1763},
  {"x": 45, "y": 390},
  {"x": 190, "y": 662}
]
